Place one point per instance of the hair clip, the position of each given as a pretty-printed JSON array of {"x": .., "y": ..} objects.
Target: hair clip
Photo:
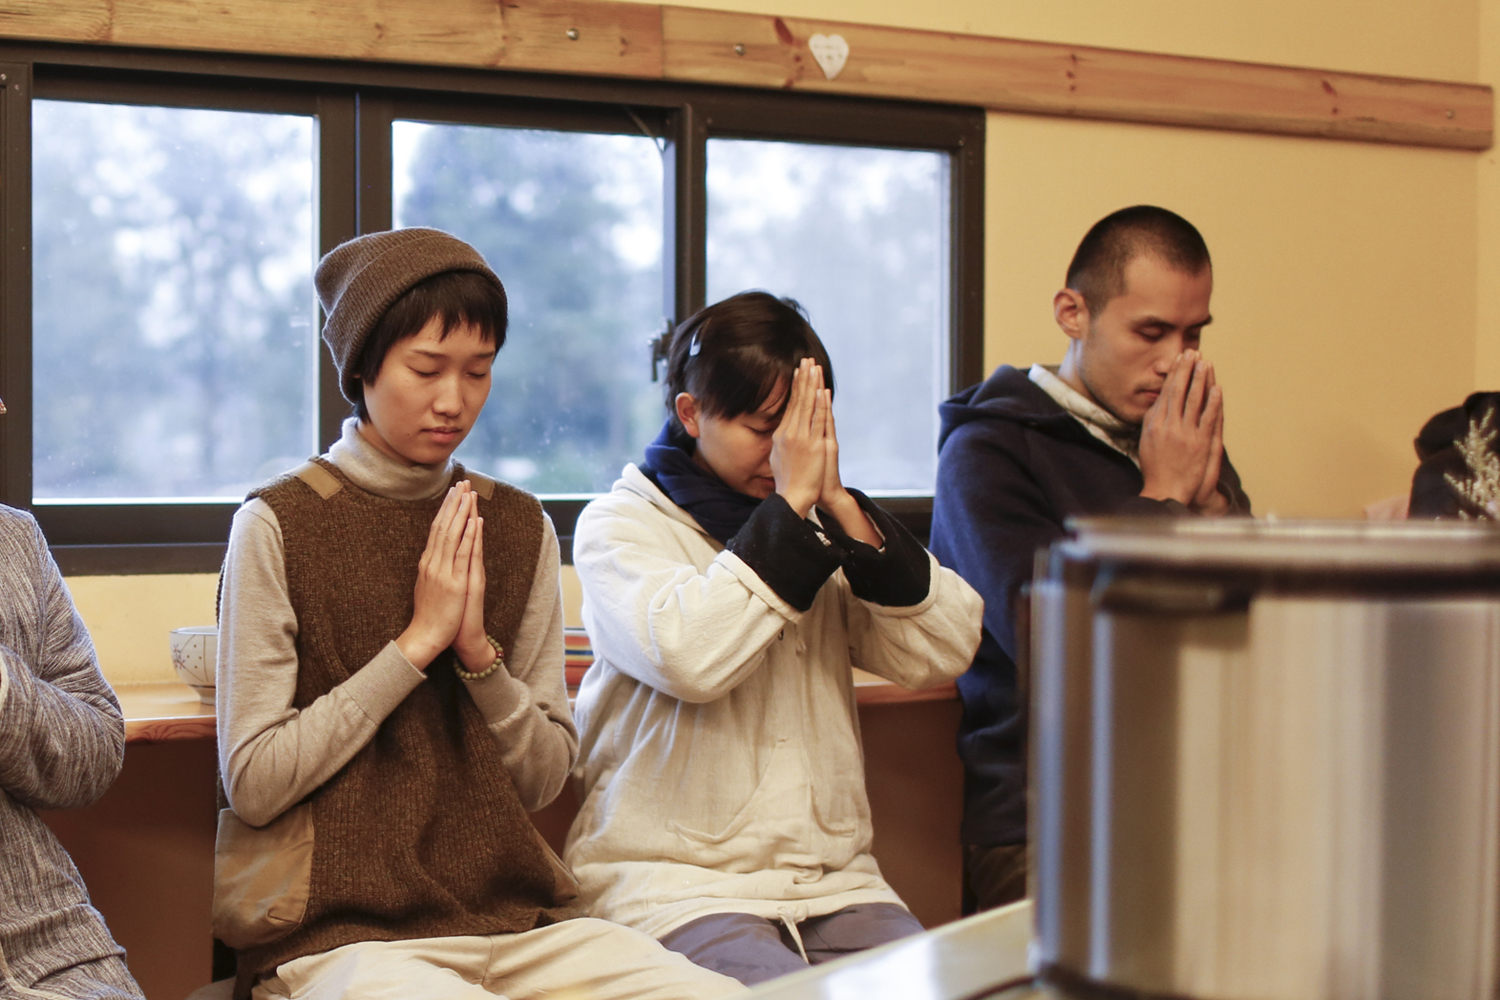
[{"x": 696, "y": 345}]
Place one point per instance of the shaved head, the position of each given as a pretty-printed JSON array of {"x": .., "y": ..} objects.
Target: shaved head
[{"x": 1098, "y": 268}]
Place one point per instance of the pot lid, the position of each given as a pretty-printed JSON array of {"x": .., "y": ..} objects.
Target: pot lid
[{"x": 1377, "y": 546}]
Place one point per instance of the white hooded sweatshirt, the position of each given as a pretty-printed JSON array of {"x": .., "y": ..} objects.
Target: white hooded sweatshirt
[{"x": 720, "y": 751}]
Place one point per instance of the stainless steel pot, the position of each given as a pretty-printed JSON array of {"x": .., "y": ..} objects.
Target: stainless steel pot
[{"x": 1266, "y": 759}]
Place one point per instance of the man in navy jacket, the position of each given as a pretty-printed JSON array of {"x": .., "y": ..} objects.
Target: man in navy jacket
[{"x": 1130, "y": 423}]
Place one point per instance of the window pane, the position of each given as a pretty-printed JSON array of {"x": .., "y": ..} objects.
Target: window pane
[
  {"x": 174, "y": 338},
  {"x": 859, "y": 236},
  {"x": 572, "y": 223}
]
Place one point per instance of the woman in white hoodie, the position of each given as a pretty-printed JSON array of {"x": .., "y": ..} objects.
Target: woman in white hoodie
[{"x": 731, "y": 583}]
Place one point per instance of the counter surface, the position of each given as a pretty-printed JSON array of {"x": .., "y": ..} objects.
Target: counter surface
[{"x": 155, "y": 713}]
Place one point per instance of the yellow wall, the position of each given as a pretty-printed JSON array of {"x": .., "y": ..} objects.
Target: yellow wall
[
  {"x": 1351, "y": 277},
  {"x": 1336, "y": 265},
  {"x": 130, "y": 617},
  {"x": 1487, "y": 214}
]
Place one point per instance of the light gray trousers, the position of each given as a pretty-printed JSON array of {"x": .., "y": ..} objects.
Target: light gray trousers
[{"x": 753, "y": 949}]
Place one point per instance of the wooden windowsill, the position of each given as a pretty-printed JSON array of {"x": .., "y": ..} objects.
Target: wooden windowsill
[
  {"x": 156, "y": 713},
  {"x": 872, "y": 690}
]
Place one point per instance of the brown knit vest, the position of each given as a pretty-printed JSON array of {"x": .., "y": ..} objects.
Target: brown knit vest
[{"x": 422, "y": 833}]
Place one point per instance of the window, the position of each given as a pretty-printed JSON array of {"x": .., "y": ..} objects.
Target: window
[
  {"x": 572, "y": 222},
  {"x": 859, "y": 237},
  {"x": 158, "y": 337},
  {"x": 173, "y": 319}
]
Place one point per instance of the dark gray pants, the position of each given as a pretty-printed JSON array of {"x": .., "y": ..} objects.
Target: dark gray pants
[{"x": 753, "y": 949}]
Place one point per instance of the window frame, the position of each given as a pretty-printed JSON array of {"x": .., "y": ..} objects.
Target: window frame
[{"x": 354, "y": 103}]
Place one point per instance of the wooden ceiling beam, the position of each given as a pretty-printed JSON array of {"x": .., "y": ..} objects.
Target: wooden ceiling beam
[
  {"x": 1076, "y": 81},
  {"x": 646, "y": 41}
]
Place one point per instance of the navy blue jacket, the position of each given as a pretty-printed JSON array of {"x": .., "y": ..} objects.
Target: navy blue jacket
[{"x": 1013, "y": 466}]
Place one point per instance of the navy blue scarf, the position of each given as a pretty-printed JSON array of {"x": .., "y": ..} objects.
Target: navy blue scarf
[{"x": 718, "y": 509}]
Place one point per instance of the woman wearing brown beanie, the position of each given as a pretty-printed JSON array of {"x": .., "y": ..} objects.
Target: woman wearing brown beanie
[{"x": 391, "y": 695}]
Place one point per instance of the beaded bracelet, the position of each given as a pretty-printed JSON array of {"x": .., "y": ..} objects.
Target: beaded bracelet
[{"x": 499, "y": 662}]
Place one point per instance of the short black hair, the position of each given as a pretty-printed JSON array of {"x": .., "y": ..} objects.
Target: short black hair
[
  {"x": 731, "y": 356},
  {"x": 1098, "y": 268},
  {"x": 458, "y": 297}
]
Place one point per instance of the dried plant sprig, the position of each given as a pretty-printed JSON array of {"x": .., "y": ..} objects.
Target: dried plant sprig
[{"x": 1481, "y": 487}]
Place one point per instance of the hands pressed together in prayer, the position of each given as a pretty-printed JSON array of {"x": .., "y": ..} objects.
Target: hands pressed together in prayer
[
  {"x": 805, "y": 456},
  {"x": 450, "y": 588},
  {"x": 1182, "y": 438}
]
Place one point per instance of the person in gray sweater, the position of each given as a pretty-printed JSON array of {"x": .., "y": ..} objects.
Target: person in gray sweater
[{"x": 62, "y": 742}]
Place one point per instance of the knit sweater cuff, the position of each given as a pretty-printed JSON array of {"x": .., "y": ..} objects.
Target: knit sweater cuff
[
  {"x": 383, "y": 683},
  {"x": 786, "y": 551},
  {"x": 498, "y": 696},
  {"x": 898, "y": 575}
]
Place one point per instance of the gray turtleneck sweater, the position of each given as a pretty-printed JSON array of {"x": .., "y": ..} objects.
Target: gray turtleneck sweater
[{"x": 271, "y": 755}]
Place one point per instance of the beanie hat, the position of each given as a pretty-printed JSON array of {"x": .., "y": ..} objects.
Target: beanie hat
[{"x": 359, "y": 280}]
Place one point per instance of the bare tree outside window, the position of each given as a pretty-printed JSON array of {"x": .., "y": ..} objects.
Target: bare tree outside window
[
  {"x": 174, "y": 338},
  {"x": 572, "y": 224},
  {"x": 174, "y": 328},
  {"x": 859, "y": 236}
]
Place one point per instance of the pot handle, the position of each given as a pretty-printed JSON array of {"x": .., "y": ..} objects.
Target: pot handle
[{"x": 1138, "y": 594}]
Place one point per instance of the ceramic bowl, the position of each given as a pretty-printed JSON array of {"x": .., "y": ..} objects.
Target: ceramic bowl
[{"x": 195, "y": 651}]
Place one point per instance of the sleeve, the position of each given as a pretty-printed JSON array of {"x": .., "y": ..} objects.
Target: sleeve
[
  {"x": 922, "y": 644},
  {"x": 989, "y": 518},
  {"x": 692, "y": 634},
  {"x": 788, "y": 552},
  {"x": 272, "y": 755},
  {"x": 897, "y": 574},
  {"x": 526, "y": 704},
  {"x": 1229, "y": 485},
  {"x": 62, "y": 738}
]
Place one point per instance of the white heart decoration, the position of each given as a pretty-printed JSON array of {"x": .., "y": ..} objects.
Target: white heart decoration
[{"x": 831, "y": 52}]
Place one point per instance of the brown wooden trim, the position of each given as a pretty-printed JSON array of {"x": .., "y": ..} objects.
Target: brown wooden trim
[
  {"x": 1045, "y": 78},
  {"x": 646, "y": 41},
  {"x": 197, "y": 727},
  {"x": 615, "y": 39},
  {"x": 15, "y": 282},
  {"x": 157, "y": 713}
]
